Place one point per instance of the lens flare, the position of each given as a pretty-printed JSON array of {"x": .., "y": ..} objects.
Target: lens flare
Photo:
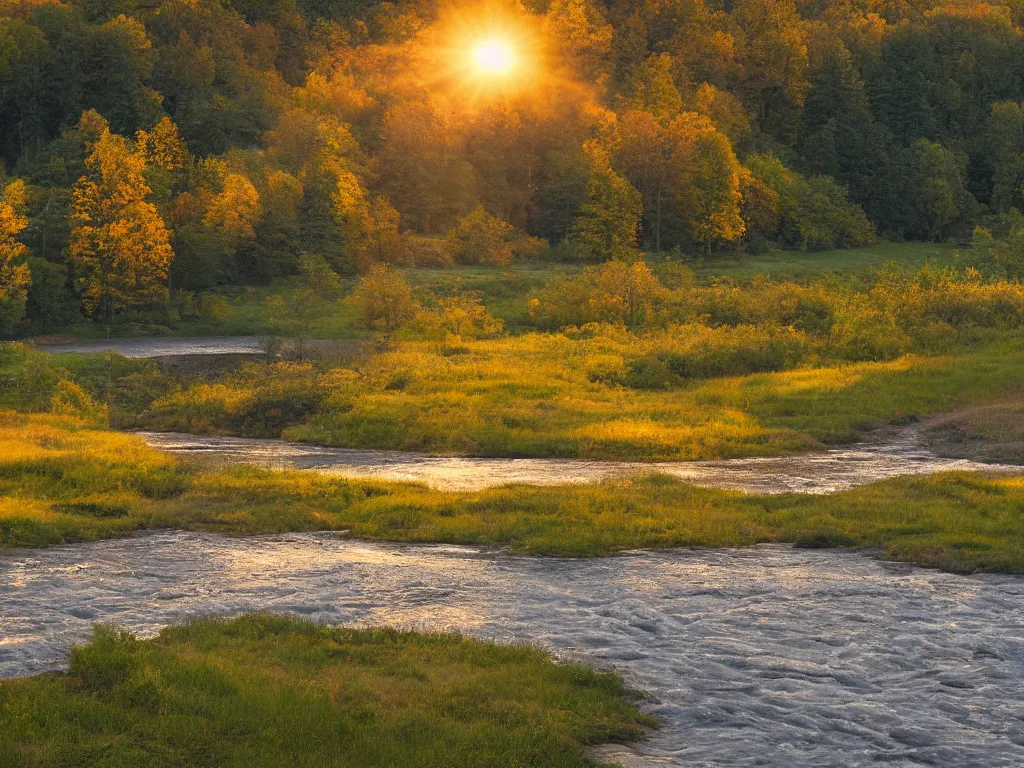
[{"x": 494, "y": 57}]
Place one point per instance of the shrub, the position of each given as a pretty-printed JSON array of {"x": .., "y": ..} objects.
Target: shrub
[
  {"x": 616, "y": 292},
  {"x": 458, "y": 317},
  {"x": 69, "y": 399},
  {"x": 815, "y": 213},
  {"x": 480, "y": 238},
  {"x": 699, "y": 352},
  {"x": 259, "y": 401},
  {"x": 862, "y": 332}
]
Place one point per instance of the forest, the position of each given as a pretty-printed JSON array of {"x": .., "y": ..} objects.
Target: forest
[{"x": 155, "y": 152}]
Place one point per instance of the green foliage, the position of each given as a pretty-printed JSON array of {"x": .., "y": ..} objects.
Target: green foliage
[
  {"x": 384, "y": 300},
  {"x": 606, "y": 227},
  {"x": 458, "y": 317},
  {"x": 617, "y": 292},
  {"x": 293, "y": 317},
  {"x": 70, "y": 400},
  {"x": 815, "y": 212},
  {"x": 50, "y": 302}
]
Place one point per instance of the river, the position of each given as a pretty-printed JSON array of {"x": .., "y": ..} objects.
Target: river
[
  {"x": 765, "y": 656},
  {"x": 163, "y": 346},
  {"x": 822, "y": 472}
]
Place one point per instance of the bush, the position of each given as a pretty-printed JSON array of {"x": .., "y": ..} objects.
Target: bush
[
  {"x": 480, "y": 238},
  {"x": 260, "y": 401},
  {"x": 617, "y": 292},
  {"x": 69, "y": 399},
  {"x": 699, "y": 352},
  {"x": 816, "y": 213},
  {"x": 458, "y": 317}
]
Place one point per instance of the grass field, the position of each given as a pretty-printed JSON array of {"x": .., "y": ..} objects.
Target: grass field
[
  {"x": 535, "y": 395},
  {"x": 263, "y": 692},
  {"x": 63, "y": 481}
]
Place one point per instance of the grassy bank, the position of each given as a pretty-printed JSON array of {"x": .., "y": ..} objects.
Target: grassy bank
[
  {"x": 984, "y": 433},
  {"x": 61, "y": 481},
  {"x": 268, "y": 691},
  {"x": 541, "y": 395}
]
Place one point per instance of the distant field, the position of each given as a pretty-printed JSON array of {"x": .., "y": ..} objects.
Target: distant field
[
  {"x": 505, "y": 290},
  {"x": 802, "y": 264}
]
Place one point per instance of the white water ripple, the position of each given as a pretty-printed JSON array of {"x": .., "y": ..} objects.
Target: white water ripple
[{"x": 766, "y": 656}]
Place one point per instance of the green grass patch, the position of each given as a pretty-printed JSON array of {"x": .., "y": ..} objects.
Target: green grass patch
[{"x": 266, "y": 691}]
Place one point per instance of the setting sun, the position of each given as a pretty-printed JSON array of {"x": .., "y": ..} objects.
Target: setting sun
[{"x": 494, "y": 57}]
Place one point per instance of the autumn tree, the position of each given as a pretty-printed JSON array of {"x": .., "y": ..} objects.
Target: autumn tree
[
  {"x": 384, "y": 300},
  {"x": 583, "y": 33},
  {"x": 382, "y": 240},
  {"x": 166, "y": 156},
  {"x": 236, "y": 209},
  {"x": 688, "y": 177},
  {"x": 772, "y": 57},
  {"x": 15, "y": 277},
  {"x": 607, "y": 224},
  {"x": 709, "y": 192},
  {"x": 423, "y": 166},
  {"x": 119, "y": 247},
  {"x": 651, "y": 88}
]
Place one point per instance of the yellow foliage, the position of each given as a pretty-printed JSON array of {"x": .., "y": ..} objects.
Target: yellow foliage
[
  {"x": 119, "y": 246},
  {"x": 237, "y": 209}
]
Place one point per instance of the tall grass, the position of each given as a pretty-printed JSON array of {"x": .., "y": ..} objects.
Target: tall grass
[{"x": 268, "y": 691}]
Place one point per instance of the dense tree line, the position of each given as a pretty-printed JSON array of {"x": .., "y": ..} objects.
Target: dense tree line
[{"x": 160, "y": 148}]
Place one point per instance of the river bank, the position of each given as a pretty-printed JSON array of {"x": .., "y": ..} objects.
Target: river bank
[{"x": 62, "y": 480}]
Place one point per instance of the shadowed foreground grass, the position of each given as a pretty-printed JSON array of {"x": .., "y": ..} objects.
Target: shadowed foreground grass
[
  {"x": 62, "y": 481},
  {"x": 266, "y": 691}
]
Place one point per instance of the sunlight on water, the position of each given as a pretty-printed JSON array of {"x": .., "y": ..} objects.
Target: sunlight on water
[{"x": 824, "y": 472}]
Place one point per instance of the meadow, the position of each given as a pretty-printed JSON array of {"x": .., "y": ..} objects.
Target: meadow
[
  {"x": 624, "y": 362},
  {"x": 543, "y": 395},
  {"x": 63, "y": 479},
  {"x": 262, "y": 690},
  {"x": 243, "y": 310}
]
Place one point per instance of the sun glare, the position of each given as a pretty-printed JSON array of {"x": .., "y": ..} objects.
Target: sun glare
[{"x": 494, "y": 57}]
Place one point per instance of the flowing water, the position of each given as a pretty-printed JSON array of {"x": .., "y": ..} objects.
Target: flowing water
[
  {"x": 823, "y": 472},
  {"x": 766, "y": 656},
  {"x": 166, "y": 346}
]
